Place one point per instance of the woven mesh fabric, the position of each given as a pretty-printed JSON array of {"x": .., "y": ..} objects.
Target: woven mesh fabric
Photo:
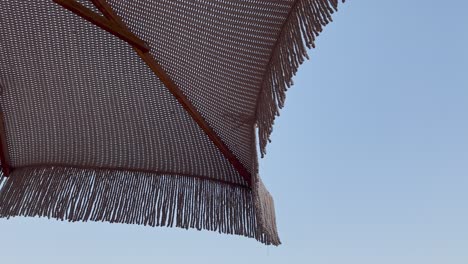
[
  {"x": 87, "y": 82},
  {"x": 72, "y": 94},
  {"x": 216, "y": 51},
  {"x": 93, "y": 134}
]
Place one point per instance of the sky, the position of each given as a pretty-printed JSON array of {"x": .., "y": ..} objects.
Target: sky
[{"x": 368, "y": 161}]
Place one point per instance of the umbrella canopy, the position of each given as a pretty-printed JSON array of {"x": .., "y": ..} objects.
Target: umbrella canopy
[{"x": 147, "y": 112}]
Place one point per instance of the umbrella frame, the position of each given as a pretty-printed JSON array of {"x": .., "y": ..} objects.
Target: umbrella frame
[{"x": 113, "y": 24}]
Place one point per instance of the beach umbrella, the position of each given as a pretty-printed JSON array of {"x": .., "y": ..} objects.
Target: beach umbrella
[{"x": 147, "y": 111}]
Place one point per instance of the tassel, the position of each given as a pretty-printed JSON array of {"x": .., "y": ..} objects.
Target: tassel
[
  {"x": 77, "y": 194},
  {"x": 304, "y": 23},
  {"x": 1, "y": 179}
]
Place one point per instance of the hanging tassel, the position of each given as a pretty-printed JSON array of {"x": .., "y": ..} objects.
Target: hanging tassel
[
  {"x": 76, "y": 194},
  {"x": 304, "y": 23},
  {"x": 265, "y": 213}
]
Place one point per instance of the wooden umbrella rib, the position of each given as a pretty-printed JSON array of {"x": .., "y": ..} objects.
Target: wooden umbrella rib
[
  {"x": 157, "y": 69},
  {"x": 103, "y": 23},
  {"x": 109, "y": 13},
  {"x": 178, "y": 94}
]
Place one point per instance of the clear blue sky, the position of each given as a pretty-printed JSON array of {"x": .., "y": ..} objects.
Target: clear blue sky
[{"x": 368, "y": 164}]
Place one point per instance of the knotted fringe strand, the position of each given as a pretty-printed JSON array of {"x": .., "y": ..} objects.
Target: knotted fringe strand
[
  {"x": 133, "y": 198},
  {"x": 1, "y": 179},
  {"x": 265, "y": 212},
  {"x": 263, "y": 201},
  {"x": 304, "y": 23}
]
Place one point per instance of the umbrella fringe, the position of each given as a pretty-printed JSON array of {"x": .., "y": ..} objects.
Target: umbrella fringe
[
  {"x": 304, "y": 23},
  {"x": 265, "y": 212},
  {"x": 76, "y": 194}
]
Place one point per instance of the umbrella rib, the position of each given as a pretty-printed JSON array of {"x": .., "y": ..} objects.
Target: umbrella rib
[
  {"x": 113, "y": 19},
  {"x": 106, "y": 24}
]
